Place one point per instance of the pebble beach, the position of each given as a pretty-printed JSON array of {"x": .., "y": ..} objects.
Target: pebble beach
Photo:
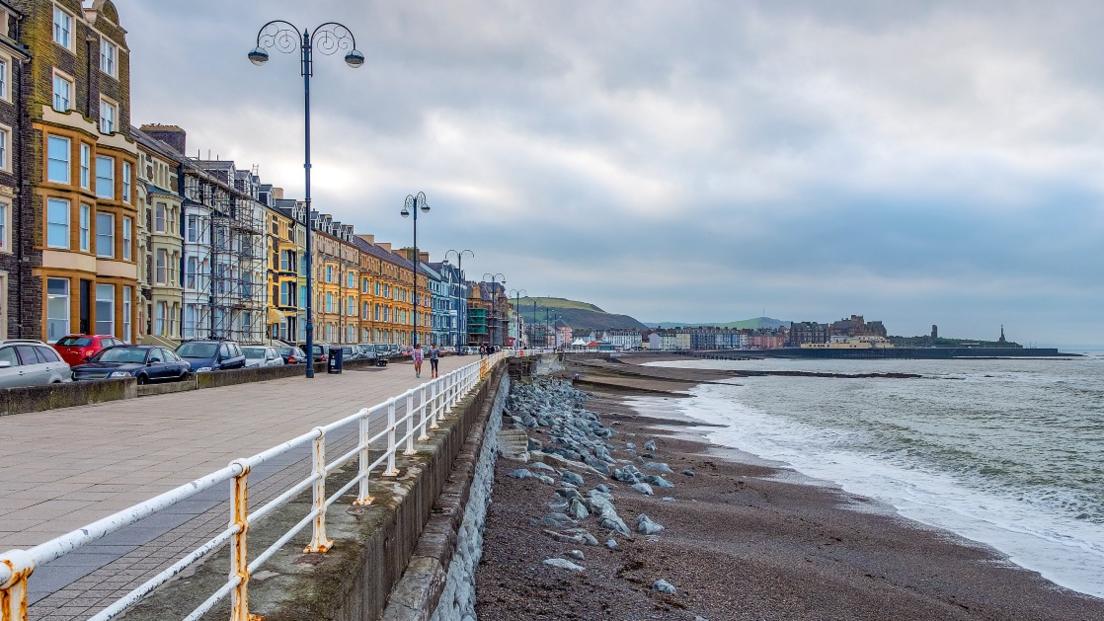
[{"x": 614, "y": 513}]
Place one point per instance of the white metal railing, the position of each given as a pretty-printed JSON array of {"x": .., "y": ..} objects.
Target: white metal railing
[{"x": 425, "y": 406}]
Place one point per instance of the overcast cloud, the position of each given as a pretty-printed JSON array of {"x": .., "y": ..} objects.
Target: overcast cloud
[{"x": 918, "y": 163}]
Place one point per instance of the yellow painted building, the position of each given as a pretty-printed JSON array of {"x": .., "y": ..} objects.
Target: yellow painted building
[
  {"x": 389, "y": 296},
  {"x": 282, "y": 279}
]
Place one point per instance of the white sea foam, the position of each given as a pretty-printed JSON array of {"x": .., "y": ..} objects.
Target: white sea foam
[{"x": 1064, "y": 549}]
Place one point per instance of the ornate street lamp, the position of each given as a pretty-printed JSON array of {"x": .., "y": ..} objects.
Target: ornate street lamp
[
  {"x": 494, "y": 298},
  {"x": 459, "y": 287},
  {"x": 517, "y": 309},
  {"x": 328, "y": 38},
  {"x": 412, "y": 205}
]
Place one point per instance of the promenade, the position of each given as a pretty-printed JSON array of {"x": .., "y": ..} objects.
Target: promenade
[{"x": 65, "y": 468}]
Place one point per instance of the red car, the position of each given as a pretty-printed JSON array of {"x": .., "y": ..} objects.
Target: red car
[{"x": 78, "y": 348}]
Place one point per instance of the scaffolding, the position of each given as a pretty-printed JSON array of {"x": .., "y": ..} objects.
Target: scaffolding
[{"x": 236, "y": 286}]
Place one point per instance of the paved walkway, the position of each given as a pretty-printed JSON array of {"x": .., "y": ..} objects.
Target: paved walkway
[{"x": 62, "y": 469}]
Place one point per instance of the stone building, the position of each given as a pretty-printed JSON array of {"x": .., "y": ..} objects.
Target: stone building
[
  {"x": 20, "y": 254},
  {"x": 80, "y": 166},
  {"x": 856, "y": 326},
  {"x": 160, "y": 241},
  {"x": 802, "y": 332}
]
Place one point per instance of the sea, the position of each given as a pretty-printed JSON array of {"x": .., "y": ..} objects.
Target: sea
[{"x": 1005, "y": 452}]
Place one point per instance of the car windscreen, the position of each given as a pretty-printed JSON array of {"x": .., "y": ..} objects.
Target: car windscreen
[
  {"x": 197, "y": 350},
  {"x": 254, "y": 353},
  {"x": 74, "y": 341},
  {"x": 122, "y": 354}
]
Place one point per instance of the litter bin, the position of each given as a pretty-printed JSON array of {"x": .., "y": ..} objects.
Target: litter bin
[{"x": 336, "y": 360}]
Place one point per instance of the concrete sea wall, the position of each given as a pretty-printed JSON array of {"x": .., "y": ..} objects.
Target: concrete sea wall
[{"x": 457, "y": 600}]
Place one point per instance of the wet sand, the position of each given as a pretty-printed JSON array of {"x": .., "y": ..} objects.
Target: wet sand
[{"x": 744, "y": 541}]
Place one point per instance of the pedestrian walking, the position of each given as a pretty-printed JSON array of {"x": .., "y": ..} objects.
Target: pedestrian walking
[
  {"x": 418, "y": 357},
  {"x": 482, "y": 350},
  {"x": 434, "y": 359}
]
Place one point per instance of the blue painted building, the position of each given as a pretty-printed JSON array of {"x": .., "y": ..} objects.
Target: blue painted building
[{"x": 453, "y": 303}]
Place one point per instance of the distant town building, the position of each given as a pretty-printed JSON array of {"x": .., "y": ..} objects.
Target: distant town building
[
  {"x": 857, "y": 326},
  {"x": 624, "y": 339},
  {"x": 808, "y": 332}
]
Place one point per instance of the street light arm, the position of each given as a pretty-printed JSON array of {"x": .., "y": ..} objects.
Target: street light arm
[
  {"x": 339, "y": 33},
  {"x": 280, "y": 39}
]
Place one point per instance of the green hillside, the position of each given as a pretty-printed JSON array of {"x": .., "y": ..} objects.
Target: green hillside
[
  {"x": 581, "y": 316},
  {"x": 755, "y": 323},
  {"x": 560, "y": 303}
]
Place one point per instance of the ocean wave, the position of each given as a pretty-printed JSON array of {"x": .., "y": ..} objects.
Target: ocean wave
[{"x": 1040, "y": 520}]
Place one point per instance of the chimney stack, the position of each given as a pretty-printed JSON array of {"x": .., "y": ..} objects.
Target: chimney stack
[{"x": 172, "y": 135}]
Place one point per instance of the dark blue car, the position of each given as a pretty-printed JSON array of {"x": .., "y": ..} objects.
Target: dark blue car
[
  {"x": 147, "y": 363},
  {"x": 212, "y": 355}
]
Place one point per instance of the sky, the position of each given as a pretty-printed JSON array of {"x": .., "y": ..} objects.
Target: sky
[{"x": 917, "y": 163}]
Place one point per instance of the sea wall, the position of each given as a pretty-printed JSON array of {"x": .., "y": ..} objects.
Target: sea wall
[
  {"x": 441, "y": 576},
  {"x": 458, "y": 598},
  {"x": 402, "y": 538},
  {"x": 38, "y": 398}
]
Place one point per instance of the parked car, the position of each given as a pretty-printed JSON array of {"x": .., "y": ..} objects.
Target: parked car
[
  {"x": 292, "y": 354},
  {"x": 348, "y": 353},
  {"x": 360, "y": 352},
  {"x": 147, "y": 363},
  {"x": 382, "y": 354},
  {"x": 79, "y": 348},
  {"x": 367, "y": 351},
  {"x": 321, "y": 351},
  {"x": 261, "y": 356},
  {"x": 31, "y": 363},
  {"x": 212, "y": 355}
]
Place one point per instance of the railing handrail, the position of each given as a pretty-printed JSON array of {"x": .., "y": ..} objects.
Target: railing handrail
[{"x": 433, "y": 398}]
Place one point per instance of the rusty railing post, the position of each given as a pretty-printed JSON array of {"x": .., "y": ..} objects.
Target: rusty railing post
[
  {"x": 239, "y": 557},
  {"x": 391, "y": 470},
  {"x": 18, "y": 566},
  {"x": 319, "y": 543},
  {"x": 363, "y": 498}
]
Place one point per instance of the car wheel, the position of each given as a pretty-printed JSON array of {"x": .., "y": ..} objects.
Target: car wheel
[{"x": 142, "y": 380}]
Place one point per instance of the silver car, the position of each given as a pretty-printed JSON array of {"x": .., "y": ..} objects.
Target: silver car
[
  {"x": 31, "y": 363},
  {"x": 260, "y": 356}
]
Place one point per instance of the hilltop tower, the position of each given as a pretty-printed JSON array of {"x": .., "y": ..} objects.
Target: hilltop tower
[{"x": 1002, "y": 339}]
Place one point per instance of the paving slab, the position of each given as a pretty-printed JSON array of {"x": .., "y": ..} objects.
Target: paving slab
[{"x": 98, "y": 459}]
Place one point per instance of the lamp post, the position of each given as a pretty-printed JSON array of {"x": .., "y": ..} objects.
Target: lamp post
[
  {"x": 459, "y": 285},
  {"x": 327, "y": 38},
  {"x": 412, "y": 205},
  {"x": 494, "y": 298},
  {"x": 517, "y": 309}
]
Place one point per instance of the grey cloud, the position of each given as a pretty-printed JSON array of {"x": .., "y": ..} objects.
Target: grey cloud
[{"x": 698, "y": 160}]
